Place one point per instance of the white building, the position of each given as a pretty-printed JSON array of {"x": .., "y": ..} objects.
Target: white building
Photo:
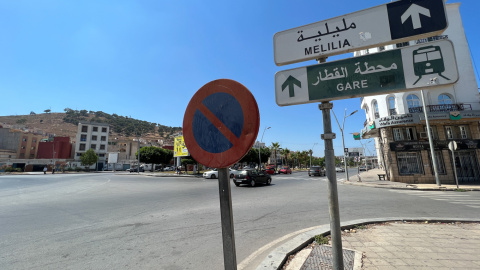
[
  {"x": 397, "y": 121},
  {"x": 92, "y": 136}
]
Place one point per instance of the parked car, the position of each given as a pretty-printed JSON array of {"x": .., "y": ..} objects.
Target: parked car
[
  {"x": 316, "y": 171},
  {"x": 339, "y": 169},
  {"x": 136, "y": 169},
  {"x": 362, "y": 168},
  {"x": 251, "y": 177},
  {"x": 285, "y": 170}
]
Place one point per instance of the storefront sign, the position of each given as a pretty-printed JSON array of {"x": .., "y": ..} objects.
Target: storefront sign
[
  {"x": 394, "y": 120},
  {"x": 438, "y": 145}
]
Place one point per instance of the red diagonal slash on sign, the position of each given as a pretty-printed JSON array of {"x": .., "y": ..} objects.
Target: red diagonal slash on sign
[{"x": 218, "y": 124}]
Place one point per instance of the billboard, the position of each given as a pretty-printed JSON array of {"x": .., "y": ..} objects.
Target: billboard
[{"x": 180, "y": 150}]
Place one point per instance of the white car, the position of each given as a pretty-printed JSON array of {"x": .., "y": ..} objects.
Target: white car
[
  {"x": 211, "y": 174},
  {"x": 214, "y": 173},
  {"x": 339, "y": 169}
]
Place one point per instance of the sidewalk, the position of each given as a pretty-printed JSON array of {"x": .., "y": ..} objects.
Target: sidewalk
[
  {"x": 386, "y": 243},
  {"x": 370, "y": 178}
]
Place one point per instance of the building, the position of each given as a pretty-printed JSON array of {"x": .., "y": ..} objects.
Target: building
[
  {"x": 94, "y": 136},
  {"x": 59, "y": 148},
  {"x": 397, "y": 123}
]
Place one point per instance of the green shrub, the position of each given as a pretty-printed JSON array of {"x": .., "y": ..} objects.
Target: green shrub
[{"x": 321, "y": 240}]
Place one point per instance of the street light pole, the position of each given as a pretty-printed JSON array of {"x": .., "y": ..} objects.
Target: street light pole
[
  {"x": 259, "y": 157},
  {"x": 343, "y": 139}
]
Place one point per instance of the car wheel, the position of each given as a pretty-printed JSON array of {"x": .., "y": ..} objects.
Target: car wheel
[
  {"x": 252, "y": 183},
  {"x": 236, "y": 184},
  {"x": 213, "y": 176},
  {"x": 269, "y": 180}
]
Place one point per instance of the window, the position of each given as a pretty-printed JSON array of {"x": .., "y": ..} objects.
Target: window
[
  {"x": 82, "y": 147},
  {"x": 449, "y": 132},
  {"x": 444, "y": 99},
  {"x": 457, "y": 132},
  {"x": 463, "y": 132},
  {"x": 95, "y": 129},
  {"x": 102, "y": 147},
  {"x": 409, "y": 163},
  {"x": 440, "y": 162},
  {"x": 22, "y": 155},
  {"x": 103, "y": 138},
  {"x": 404, "y": 134},
  {"x": 101, "y": 155},
  {"x": 413, "y": 101},
  {"x": 79, "y": 154},
  {"x": 32, "y": 155},
  {"x": 93, "y": 146},
  {"x": 104, "y": 129},
  {"x": 391, "y": 105},
  {"x": 433, "y": 131},
  {"x": 24, "y": 139},
  {"x": 32, "y": 148},
  {"x": 83, "y": 138},
  {"x": 375, "y": 109},
  {"x": 84, "y": 128},
  {"x": 94, "y": 137}
]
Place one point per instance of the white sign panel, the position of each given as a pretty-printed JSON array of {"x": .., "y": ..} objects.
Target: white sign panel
[{"x": 386, "y": 24}]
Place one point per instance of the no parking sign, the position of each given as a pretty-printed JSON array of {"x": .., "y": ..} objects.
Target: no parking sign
[{"x": 221, "y": 123}]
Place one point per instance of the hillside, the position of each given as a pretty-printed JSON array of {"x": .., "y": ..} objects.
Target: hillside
[{"x": 65, "y": 125}]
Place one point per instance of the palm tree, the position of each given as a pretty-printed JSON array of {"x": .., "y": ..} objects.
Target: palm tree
[
  {"x": 295, "y": 155},
  {"x": 286, "y": 154},
  {"x": 310, "y": 152},
  {"x": 275, "y": 146}
]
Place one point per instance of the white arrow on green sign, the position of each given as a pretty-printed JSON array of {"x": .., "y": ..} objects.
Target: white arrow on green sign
[{"x": 425, "y": 65}]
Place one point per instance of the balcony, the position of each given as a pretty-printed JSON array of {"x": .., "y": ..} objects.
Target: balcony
[{"x": 442, "y": 108}]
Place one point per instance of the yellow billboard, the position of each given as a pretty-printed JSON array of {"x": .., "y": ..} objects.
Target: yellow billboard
[{"x": 180, "y": 150}]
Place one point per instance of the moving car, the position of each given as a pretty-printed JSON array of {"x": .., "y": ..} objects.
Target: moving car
[
  {"x": 251, "y": 177},
  {"x": 270, "y": 170},
  {"x": 285, "y": 170},
  {"x": 214, "y": 173},
  {"x": 316, "y": 171},
  {"x": 339, "y": 169},
  {"x": 362, "y": 168}
]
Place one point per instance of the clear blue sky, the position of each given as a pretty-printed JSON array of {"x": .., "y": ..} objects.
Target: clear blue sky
[{"x": 146, "y": 59}]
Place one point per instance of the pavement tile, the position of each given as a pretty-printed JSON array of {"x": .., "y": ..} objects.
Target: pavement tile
[
  {"x": 385, "y": 255},
  {"x": 396, "y": 262},
  {"x": 379, "y": 262}
]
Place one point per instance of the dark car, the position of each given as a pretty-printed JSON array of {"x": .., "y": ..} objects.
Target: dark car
[
  {"x": 285, "y": 170},
  {"x": 316, "y": 171},
  {"x": 136, "y": 169},
  {"x": 251, "y": 177}
]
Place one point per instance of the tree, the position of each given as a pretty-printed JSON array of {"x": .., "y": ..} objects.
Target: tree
[
  {"x": 155, "y": 155},
  {"x": 47, "y": 111},
  {"x": 275, "y": 146},
  {"x": 89, "y": 158},
  {"x": 21, "y": 121}
]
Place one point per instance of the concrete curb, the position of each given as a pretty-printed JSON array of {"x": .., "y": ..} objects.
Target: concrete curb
[{"x": 279, "y": 255}]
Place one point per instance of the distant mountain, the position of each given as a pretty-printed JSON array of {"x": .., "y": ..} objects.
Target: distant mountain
[{"x": 65, "y": 124}]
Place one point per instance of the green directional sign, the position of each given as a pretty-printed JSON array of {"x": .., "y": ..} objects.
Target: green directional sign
[{"x": 425, "y": 65}]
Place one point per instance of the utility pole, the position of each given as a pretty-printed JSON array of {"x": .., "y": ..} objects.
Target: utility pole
[{"x": 430, "y": 141}]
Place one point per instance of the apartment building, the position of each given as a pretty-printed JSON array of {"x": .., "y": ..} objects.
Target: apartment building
[
  {"x": 397, "y": 120},
  {"x": 94, "y": 136}
]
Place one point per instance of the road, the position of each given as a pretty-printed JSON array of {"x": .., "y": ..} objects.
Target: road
[{"x": 130, "y": 221}]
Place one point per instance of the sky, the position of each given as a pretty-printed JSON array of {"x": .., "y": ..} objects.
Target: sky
[{"x": 146, "y": 59}]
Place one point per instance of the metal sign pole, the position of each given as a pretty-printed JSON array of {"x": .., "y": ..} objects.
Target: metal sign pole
[
  {"x": 430, "y": 141},
  {"x": 335, "y": 229},
  {"x": 229, "y": 257},
  {"x": 453, "y": 146}
]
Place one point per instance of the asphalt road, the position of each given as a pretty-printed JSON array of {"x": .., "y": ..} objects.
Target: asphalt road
[{"x": 107, "y": 221}]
